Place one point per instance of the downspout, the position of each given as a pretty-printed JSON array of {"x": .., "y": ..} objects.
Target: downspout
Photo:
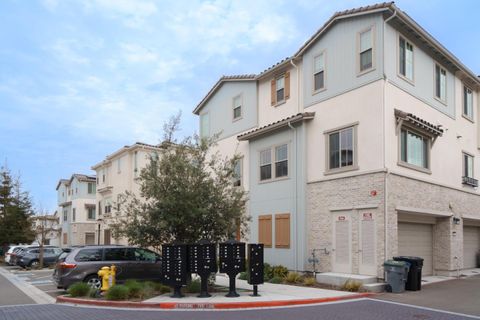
[
  {"x": 385, "y": 182},
  {"x": 295, "y": 223},
  {"x": 298, "y": 85}
]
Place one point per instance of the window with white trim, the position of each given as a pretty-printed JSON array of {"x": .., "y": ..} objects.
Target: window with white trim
[
  {"x": 414, "y": 148},
  {"x": 237, "y": 173},
  {"x": 467, "y": 165},
  {"x": 405, "y": 58},
  {"x": 319, "y": 72},
  {"x": 281, "y": 161},
  {"x": 467, "y": 102},
  {"x": 366, "y": 50},
  {"x": 341, "y": 146},
  {"x": 237, "y": 107},
  {"x": 266, "y": 164},
  {"x": 91, "y": 188},
  {"x": 91, "y": 213},
  {"x": 280, "y": 88},
  {"x": 440, "y": 83},
  {"x": 74, "y": 214}
]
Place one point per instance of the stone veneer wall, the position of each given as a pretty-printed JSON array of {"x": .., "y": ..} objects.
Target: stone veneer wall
[
  {"x": 345, "y": 194},
  {"x": 448, "y": 248}
]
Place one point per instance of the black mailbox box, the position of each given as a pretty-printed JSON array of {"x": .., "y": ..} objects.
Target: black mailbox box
[
  {"x": 255, "y": 263},
  {"x": 174, "y": 265},
  {"x": 203, "y": 258},
  {"x": 232, "y": 257}
]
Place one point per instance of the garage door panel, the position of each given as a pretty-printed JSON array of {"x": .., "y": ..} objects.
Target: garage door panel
[
  {"x": 471, "y": 245},
  {"x": 416, "y": 239}
]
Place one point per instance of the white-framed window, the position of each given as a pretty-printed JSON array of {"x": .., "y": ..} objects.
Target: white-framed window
[
  {"x": 91, "y": 187},
  {"x": 91, "y": 213},
  {"x": 280, "y": 161},
  {"x": 237, "y": 172},
  {"x": 414, "y": 148},
  {"x": 74, "y": 214},
  {"x": 440, "y": 83},
  {"x": 341, "y": 149},
  {"x": 467, "y": 102},
  {"x": 266, "y": 164},
  {"x": 467, "y": 165},
  {"x": 405, "y": 57},
  {"x": 100, "y": 208},
  {"x": 237, "y": 107},
  {"x": 366, "y": 50},
  {"x": 319, "y": 72},
  {"x": 280, "y": 88},
  {"x": 65, "y": 215},
  {"x": 204, "y": 125}
]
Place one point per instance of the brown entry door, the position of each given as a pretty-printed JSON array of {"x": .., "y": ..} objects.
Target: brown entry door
[{"x": 106, "y": 236}]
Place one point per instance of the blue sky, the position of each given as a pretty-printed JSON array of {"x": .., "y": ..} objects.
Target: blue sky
[{"x": 80, "y": 79}]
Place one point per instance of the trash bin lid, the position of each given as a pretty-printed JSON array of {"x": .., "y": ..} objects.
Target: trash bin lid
[
  {"x": 393, "y": 263},
  {"x": 414, "y": 261}
]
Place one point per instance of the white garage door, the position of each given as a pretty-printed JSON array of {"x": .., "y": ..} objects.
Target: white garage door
[
  {"x": 471, "y": 245},
  {"x": 416, "y": 239}
]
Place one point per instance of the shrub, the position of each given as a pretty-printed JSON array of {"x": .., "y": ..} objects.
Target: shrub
[
  {"x": 267, "y": 272},
  {"x": 193, "y": 286},
  {"x": 293, "y": 277},
  {"x": 135, "y": 289},
  {"x": 351, "y": 285},
  {"x": 157, "y": 287},
  {"x": 280, "y": 271},
  {"x": 79, "y": 289},
  {"x": 117, "y": 292},
  {"x": 276, "y": 280},
  {"x": 243, "y": 276},
  {"x": 309, "y": 281}
]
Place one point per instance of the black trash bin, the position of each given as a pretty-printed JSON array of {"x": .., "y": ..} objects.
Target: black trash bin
[{"x": 414, "y": 279}]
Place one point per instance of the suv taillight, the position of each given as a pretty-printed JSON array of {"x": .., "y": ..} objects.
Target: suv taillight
[{"x": 65, "y": 265}]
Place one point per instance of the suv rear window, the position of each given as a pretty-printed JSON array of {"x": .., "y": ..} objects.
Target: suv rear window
[{"x": 89, "y": 255}]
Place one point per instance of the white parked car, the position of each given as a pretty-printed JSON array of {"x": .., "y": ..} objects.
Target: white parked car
[{"x": 8, "y": 255}]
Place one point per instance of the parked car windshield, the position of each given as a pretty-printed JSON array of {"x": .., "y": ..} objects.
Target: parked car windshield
[{"x": 93, "y": 254}]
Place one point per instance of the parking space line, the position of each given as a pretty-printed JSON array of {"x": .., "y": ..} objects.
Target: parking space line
[{"x": 426, "y": 308}]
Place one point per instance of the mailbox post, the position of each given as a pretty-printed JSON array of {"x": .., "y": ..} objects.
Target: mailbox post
[
  {"x": 174, "y": 267},
  {"x": 232, "y": 262},
  {"x": 255, "y": 266},
  {"x": 203, "y": 261}
]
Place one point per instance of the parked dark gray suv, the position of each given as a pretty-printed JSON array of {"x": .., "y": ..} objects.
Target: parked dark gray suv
[
  {"x": 83, "y": 263},
  {"x": 30, "y": 256}
]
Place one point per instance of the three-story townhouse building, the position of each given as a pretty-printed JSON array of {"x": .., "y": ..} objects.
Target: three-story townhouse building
[
  {"x": 76, "y": 209},
  {"x": 361, "y": 146},
  {"x": 116, "y": 175}
]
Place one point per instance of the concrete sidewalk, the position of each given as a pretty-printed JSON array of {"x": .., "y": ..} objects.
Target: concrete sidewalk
[
  {"x": 267, "y": 291},
  {"x": 11, "y": 295},
  {"x": 18, "y": 286}
]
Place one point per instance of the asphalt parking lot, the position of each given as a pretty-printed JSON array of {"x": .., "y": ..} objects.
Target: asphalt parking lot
[{"x": 42, "y": 279}]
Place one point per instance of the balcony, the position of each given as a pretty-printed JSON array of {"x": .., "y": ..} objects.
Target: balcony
[{"x": 470, "y": 181}]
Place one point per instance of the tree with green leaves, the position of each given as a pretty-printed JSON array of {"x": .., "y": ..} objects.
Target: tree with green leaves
[
  {"x": 15, "y": 211},
  {"x": 186, "y": 194}
]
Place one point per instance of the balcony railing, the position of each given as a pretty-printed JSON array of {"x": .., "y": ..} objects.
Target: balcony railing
[{"x": 470, "y": 181}]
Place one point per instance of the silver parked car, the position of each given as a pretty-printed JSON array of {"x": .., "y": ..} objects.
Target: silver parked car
[{"x": 83, "y": 263}]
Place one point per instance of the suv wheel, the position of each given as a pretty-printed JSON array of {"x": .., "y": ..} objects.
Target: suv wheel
[
  {"x": 93, "y": 281},
  {"x": 34, "y": 264}
]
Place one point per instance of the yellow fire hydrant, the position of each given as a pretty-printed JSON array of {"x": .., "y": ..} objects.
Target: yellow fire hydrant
[{"x": 107, "y": 274}]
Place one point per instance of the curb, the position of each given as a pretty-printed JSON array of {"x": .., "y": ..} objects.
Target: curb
[{"x": 207, "y": 305}]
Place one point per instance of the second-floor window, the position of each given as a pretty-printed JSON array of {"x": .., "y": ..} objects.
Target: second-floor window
[
  {"x": 65, "y": 215},
  {"x": 108, "y": 208},
  {"x": 319, "y": 72},
  {"x": 366, "y": 50},
  {"x": 266, "y": 164},
  {"x": 204, "y": 125},
  {"x": 341, "y": 152},
  {"x": 74, "y": 214},
  {"x": 414, "y": 148},
  {"x": 91, "y": 188},
  {"x": 237, "y": 107},
  {"x": 281, "y": 161},
  {"x": 467, "y": 103},
  {"x": 405, "y": 59},
  {"x": 91, "y": 213},
  {"x": 467, "y": 165},
  {"x": 280, "y": 168},
  {"x": 280, "y": 89},
  {"x": 99, "y": 208},
  {"x": 440, "y": 83}
]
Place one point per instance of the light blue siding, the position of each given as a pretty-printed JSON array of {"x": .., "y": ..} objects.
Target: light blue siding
[
  {"x": 340, "y": 46},
  {"x": 220, "y": 108}
]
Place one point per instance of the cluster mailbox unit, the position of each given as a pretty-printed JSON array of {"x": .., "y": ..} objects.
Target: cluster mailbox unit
[
  {"x": 232, "y": 262},
  {"x": 174, "y": 267},
  {"x": 203, "y": 261},
  {"x": 179, "y": 260}
]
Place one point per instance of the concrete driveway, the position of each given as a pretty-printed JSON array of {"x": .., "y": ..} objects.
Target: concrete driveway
[{"x": 459, "y": 295}]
